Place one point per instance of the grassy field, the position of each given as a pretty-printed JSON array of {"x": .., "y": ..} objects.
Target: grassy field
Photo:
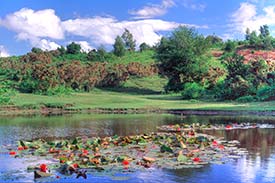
[
  {"x": 110, "y": 99},
  {"x": 135, "y": 93}
]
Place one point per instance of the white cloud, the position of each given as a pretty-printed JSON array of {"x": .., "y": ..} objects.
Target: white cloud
[
  {"x": 32, "y": 25},
  {"x": 42, "y": 28},
  {"x": 190, "y": 4},
  {"x": 3, "y": 51},
  {"x": 249, "y": 16},
  {"x": 85, "y": 46},
  {"x": 45, "y": 44},
  {"x": 152, "y": 10},
  {"x": 103, "y": 30}
]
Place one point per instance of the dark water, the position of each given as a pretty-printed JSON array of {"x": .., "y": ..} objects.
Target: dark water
[{"x": 257, "y": 166}]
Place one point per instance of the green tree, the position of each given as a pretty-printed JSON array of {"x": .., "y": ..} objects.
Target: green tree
[
  {"x": 214, "y": 40},
  {"x": 264, "y": 31},
  {"x": 73, "y": 48},
  {"x": 247, "y": 34},
  {"x": 181, "y": 57},
  {"x": 36, "y": 50},
  {"x": 119, "y": 47},
  {"x": 61, "y": 50},
  {"x": 254, "y": 39},
  {"x": 129, "y": 41},
  {"x": 144, "y": 47},
  {"x": 230, "y": 46}
]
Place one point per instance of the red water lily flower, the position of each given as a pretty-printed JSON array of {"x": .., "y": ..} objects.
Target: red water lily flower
[
  {"x": 20, "y": 148},
  {"x": 221, "y": 146},
  {"x": 12, "y": 153},
  {"x": 214, "y": 143},
  {"x": 178, "y": 129},
  {"x": 85, "y": 151},
  {"x": 43, "y": 168},
  {"x": 228, "y": 127},
  {"x": 125, "y": 162},
  {"x": 197, "y": 159},
  {"x": 25, "y": 147},
  {"x": 75, "y": 165}
]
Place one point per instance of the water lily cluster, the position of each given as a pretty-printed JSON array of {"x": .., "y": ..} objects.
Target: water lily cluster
[
  {"x": 200, "y": 127},
  {"x": 171, "y": 150}
]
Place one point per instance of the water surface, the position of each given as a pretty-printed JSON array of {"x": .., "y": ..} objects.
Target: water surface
[{"x": 257, "y": 166}]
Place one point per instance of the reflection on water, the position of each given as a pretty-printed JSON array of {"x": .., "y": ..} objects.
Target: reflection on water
[{"x": 257, "y": 166}]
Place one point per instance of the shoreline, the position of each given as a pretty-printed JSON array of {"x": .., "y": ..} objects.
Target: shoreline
[{"x": 48, "y": 111}]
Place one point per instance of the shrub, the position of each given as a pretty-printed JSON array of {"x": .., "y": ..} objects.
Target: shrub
[
  {"x": 246, "y": 99},
  {"x": 59, "y": 90},
  {"x": 5, "y": 93},
  {"x": 192, "y": 91},
  {"x": 266, "y": 93}
]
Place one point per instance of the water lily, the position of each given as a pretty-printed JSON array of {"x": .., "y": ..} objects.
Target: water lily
[
  {"x": 20, "y": 148},
  {"x": 215, "y": 143},
  {"x": 228, "y": 127},
  {"x": 75, "y": 165},
  {"x": 43, "y": 168},
  {"x": 125, "y": 162},
  {"x": 12, "y": 153},
  {"x": 197, "y": 159}
]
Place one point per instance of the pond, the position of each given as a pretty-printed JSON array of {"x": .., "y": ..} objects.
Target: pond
[{"x": 257, "y": 166}]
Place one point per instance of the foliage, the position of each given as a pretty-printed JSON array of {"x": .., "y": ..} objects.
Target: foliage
[
  {"x": 129, "y": 41},
  {"x": 246, "y": 99},
  {"x": 242, "y": 79},
  {"x": 192, "y": 91},
  {"x": 230, "y": 46},
  {"x": 58, "y": 90},
  {"x": 36, "y": 50},
  {"x": 73, "y": 48},
  {"x": 181, "y": 57},
  {"x": 266, "y": 93},
  {"x": 99, "y": 55},
  {"x": 214, "y": 40},
  {"x": 262, "y": 41},
  {"x": 6, "y": 92},
  {"x": 119, "y": 47},
  {"x": 143, "y": 47}
]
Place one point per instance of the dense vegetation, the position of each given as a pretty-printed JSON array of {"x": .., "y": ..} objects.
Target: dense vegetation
[{"x": 198, "y": 67}]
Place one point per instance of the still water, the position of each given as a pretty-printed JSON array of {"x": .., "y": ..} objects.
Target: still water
[{"x": 257, "y": 166}]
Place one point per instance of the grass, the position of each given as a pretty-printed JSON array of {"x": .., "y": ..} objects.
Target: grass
[
  {"x": 135, "y": 93},
  {"x": 145, "y": 57},
  {"x": 109, "y": 99}
]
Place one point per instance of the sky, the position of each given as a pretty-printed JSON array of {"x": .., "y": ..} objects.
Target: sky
[{"x": 49, "y": 24}]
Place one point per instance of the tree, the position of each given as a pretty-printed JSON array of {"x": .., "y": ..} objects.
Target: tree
[
  {"x": 143, "y": 47},
  {"x": 230, "y": 46},
  {"x": 181, "y": 57},
  {"x": 73, "y": 48},
  {"x": 214, "y": 40},
  {"x": 247, "y": 34},
  {"x": 129, "y": 41},
  {"x": 36, "y": 50},
  {"x": 61, "y": 50},
  {"x": 97, "y": 55},
  {"x": 119, "y": 47},
  {"x": 254, "y": 39},
  {"x": 264, "y": 31}
]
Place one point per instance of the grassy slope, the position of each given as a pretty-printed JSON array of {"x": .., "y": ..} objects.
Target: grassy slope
[{"x": 136, "y": 93}]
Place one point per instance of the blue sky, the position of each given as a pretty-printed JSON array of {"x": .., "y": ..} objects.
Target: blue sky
[{"x": 49, "y": 24}]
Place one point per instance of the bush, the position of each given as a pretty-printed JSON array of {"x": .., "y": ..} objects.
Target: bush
[
  {"x": 192, "y": 91},
  {"x": 266, "y": 93},
  {"x": 5, "y": 93},
  {"x": 59, "y": 90},
  {"x": 246, "y": 99}
]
